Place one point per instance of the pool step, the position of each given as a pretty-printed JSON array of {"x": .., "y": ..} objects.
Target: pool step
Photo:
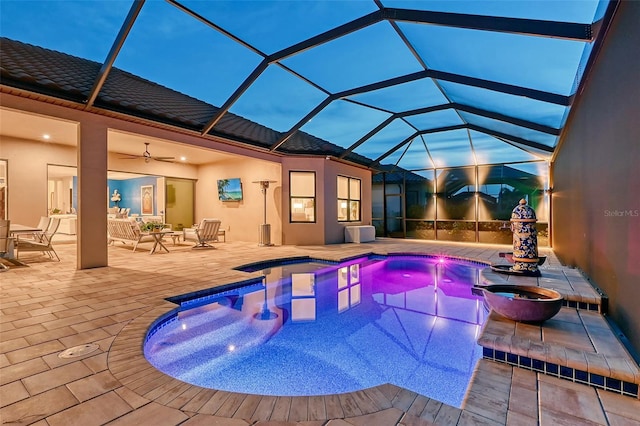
[
  {"x": 594, "y": 356},
  {"x": 575, "y": 289}
]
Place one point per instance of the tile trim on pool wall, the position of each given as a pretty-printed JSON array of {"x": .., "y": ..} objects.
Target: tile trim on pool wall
[
  {"x": 596, "y": 307},
  {"x": 217, "y": 290},
  {"x": 256, "y": 266},
  {"x": 203, "y": 296},
  {"x": 562, "y": 372}
]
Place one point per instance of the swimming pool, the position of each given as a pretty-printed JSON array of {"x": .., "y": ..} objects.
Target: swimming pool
[{"x": 316, "y": 328}]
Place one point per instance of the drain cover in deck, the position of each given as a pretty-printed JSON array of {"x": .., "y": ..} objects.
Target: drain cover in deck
[{"x": 77, "y": 351}]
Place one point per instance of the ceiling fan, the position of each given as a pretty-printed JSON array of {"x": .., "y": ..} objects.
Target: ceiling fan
[{"x": 147, "y": 156}]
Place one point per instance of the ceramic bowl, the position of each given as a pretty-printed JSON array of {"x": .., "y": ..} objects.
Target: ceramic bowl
[{"x": 523, "y": 303}]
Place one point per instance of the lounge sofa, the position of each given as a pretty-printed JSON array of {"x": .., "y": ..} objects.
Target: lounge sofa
[{"x": 126, "y": 231}]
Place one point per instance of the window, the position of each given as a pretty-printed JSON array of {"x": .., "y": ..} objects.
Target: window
[
  {"x": 303, "y": 297},
  {"x": 348, "y": 199},
  {"x": 302, "y": 202},
  {"x": 349, "y": 292}
]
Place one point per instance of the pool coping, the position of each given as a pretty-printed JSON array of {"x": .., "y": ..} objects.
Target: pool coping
[
  {"x": 609, "y": 366},
  {"x": 127, "y": 363}
]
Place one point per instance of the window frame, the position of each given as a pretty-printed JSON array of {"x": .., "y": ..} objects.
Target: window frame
[
  {"x": 349, "y": 200},
  {"x": 304, "y": 198}
]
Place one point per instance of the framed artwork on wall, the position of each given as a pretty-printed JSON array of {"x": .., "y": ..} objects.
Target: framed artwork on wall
[
  {"x": 146, "y": 199},
  {"x": 230, "y": 189}
]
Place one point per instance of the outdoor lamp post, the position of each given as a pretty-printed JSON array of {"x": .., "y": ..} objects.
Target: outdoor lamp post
[{"x": 265, "y": 229}]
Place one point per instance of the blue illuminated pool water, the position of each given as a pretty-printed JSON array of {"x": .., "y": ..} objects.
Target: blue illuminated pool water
[{"x": 317, "y": 329}]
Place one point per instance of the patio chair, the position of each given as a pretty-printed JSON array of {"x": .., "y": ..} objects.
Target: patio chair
[
  {"x": 44, "y": 225},
  {"x": 4, "y": 243},
  {"x": 123, "y": 213},
  {"x": 44, "y": 246},
  {"x": 203, "y": 234}
]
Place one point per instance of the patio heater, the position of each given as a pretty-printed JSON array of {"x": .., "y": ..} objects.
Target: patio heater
[{"x": 265, "y": 229}]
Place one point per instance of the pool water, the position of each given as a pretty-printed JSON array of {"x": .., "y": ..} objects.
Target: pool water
[{"x": 316, "y": 329}]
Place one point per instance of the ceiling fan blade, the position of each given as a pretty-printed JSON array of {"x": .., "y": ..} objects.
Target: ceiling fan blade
[{"x": 147, "y": 156}]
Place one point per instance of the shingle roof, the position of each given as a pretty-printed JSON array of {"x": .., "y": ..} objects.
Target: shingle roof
[
  {"x": 50, "y": 73},
  {"x": 71, "y": 78},
  {"x": 304, "y": 143}
]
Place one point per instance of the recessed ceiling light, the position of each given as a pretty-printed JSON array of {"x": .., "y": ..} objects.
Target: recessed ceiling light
[
  {"x": 183, "y": 158},
  {"x": 46, "y": 136}
]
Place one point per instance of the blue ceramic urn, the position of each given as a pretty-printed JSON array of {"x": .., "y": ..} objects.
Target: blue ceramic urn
[{"x": 525, "y": 239}]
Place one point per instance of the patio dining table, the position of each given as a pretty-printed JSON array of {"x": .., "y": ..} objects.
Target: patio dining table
[
  {"x": 16, "y": 228},
  {"x": 157, "y": 237}
]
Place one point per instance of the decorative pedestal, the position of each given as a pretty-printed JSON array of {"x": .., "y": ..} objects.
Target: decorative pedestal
[
  {"x": 525, "y": 238},
  {"x": 525, "y": 243}
]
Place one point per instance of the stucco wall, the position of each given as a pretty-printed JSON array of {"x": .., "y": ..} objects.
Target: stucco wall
[
  {"x": 303, "y": 233},
  {"x": 326, "y": 229},
  {"x": 241, "y": 219},
  {"x": 596, "y": 175},
  {"x": 334, "y": 230},
  {"x": 27, "y": 177}
]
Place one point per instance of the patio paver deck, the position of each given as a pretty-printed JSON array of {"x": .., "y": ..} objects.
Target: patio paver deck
[{"x": 50, "y": 306}]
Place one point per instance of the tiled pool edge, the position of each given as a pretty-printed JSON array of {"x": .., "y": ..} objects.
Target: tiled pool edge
[
  {"x": 600, "y": 371},
  {"x": 127, "y": 363},
  {"x": 563, "y": 372},
  {"x": 617, "y": 374},
  {"x": 256, "y": 266},
  {"x": 585, "y": 297},
  {"x": 140, "y": 377}
]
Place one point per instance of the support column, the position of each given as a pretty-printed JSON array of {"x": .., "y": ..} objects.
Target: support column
[{"x": 92, "y": 196}]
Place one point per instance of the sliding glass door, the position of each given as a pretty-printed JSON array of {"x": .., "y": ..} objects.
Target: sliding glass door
[{"x": 180, "y": 203}]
